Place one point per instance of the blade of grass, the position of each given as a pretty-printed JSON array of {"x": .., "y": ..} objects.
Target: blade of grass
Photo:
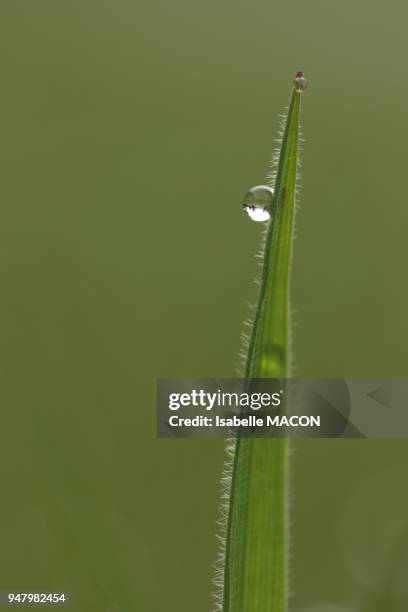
[{"x": 255, "y": 572}]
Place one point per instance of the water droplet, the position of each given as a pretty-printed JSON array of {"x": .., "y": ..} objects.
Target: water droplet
[
  {"x": 258, "y": 202},
  {"x": 300, "y": 82}
]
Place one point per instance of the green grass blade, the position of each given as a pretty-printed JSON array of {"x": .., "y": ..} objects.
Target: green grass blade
[{"x": 256, "y": 548}]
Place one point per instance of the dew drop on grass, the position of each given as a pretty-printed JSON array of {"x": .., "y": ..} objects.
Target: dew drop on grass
[
  {"x": 300, "y": 82},
  {"x": 258, "y": 202}
]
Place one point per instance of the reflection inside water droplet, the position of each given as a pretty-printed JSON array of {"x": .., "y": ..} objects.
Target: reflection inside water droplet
[
  {"x": 257, "y": 214},
  {"x": 258, "y": 202}
]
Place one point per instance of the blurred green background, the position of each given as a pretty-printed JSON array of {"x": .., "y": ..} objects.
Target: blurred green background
[{"x": 129, "y": 133}]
